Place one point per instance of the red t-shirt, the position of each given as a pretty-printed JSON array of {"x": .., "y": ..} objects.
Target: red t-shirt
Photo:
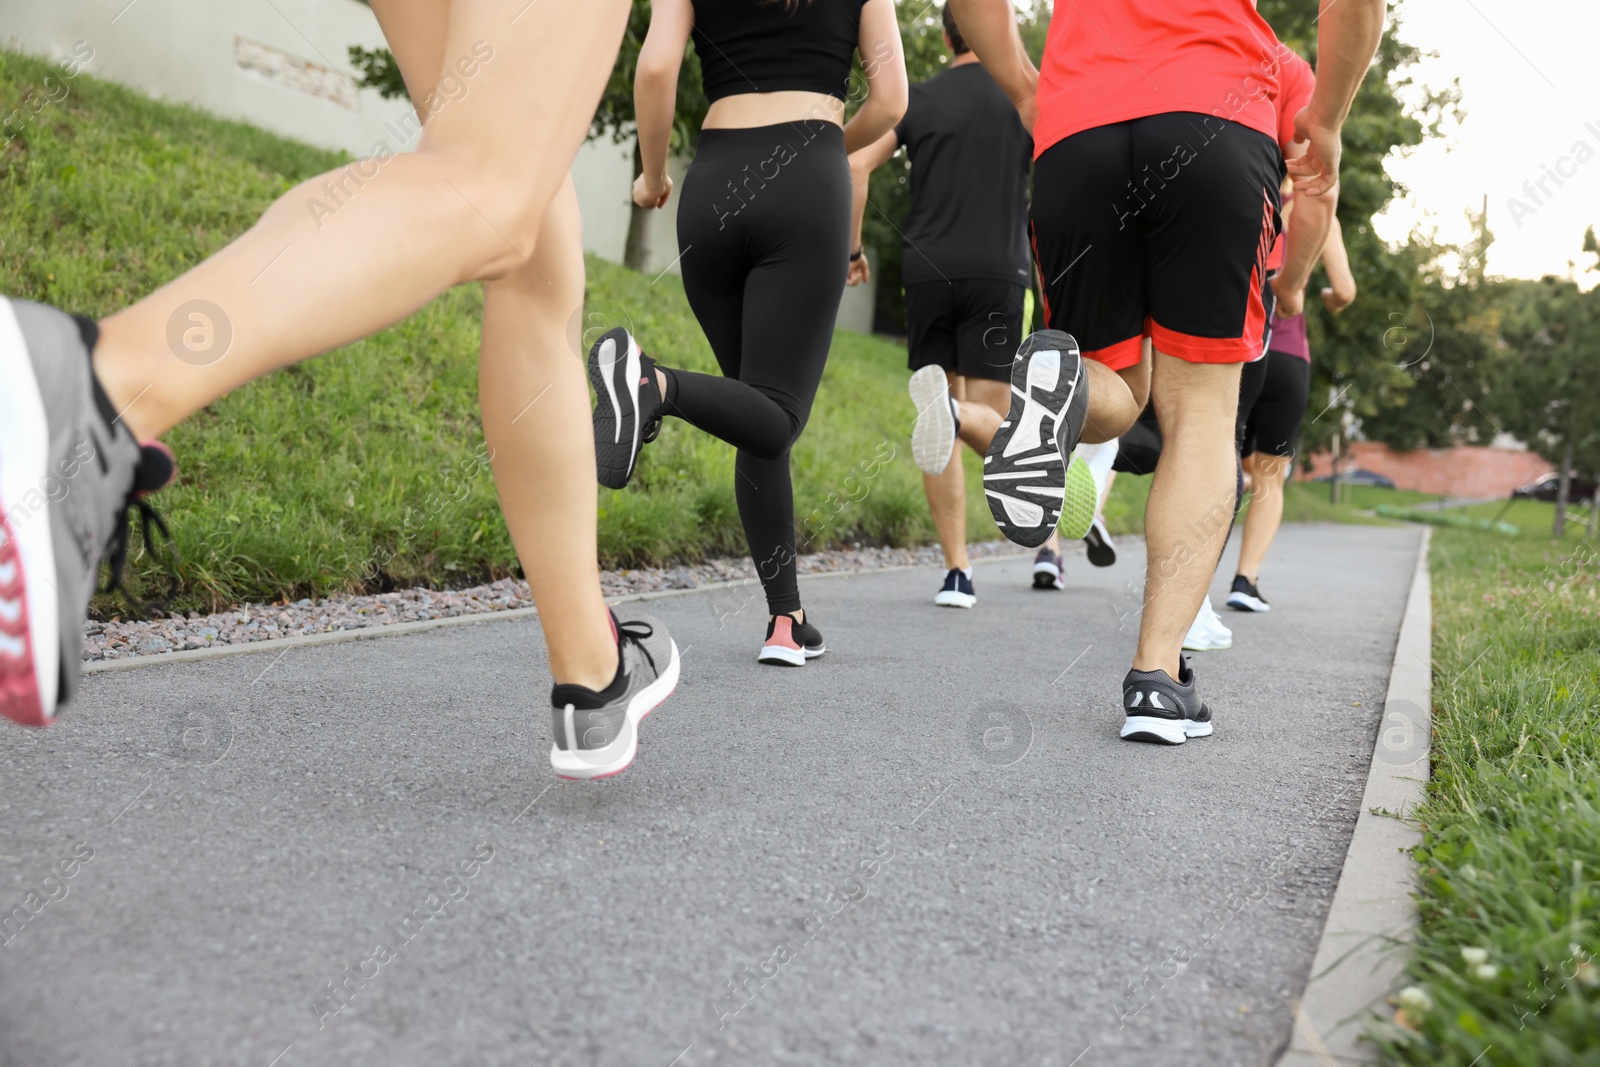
[
  {"x": 1295, "y": 83},
  {"x": 1109, "y": 61}
]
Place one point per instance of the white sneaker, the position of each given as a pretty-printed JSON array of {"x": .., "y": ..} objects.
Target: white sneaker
[
  {"x": 1217, "y": 627},
  {"x": 933, "y": 437},
  {"x": 1206, "y": 633}
]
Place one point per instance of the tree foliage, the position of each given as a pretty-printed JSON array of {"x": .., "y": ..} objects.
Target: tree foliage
[{"x": 1548, "y": 391}]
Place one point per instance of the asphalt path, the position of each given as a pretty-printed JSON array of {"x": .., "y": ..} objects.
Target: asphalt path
[{"x": 928, "y": 847}]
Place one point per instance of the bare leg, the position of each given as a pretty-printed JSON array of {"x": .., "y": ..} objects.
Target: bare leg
[
  {"x": 1115, "y": 398},
  {"x": 323, "y": 268},
  {"x": 947, "y": 499},
  {"x": 535, "y": 399},
  {"x": 1261, "y": 522},
  {"x": 982, "y": 405},
  {"x": 1191, "y": 501}
]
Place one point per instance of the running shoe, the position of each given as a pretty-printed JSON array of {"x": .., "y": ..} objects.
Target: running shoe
[
  {"x": 627, "y": 410},
  {"x": 597, "y": 733},
  {"x": 1027, "y": 477},
  {"x": 1246, "y": 597},
  {"x": 957, "y": 591},
  {"x": 933, "y": 438},
  {"x": 1206, "y": 633},
  {"x": 1162, "y": 711},
  {"x": 1048, "y": 570},
  {"x": 1102, "y": 553},
  {"x": 791, "y": 642},
  {"x": 69, "y": 473}
]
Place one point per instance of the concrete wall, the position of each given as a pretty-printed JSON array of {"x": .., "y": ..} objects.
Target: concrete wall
[{"x": 284, "y": 66}]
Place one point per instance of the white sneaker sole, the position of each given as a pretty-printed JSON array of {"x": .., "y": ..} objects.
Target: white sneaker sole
[
  {"x": 1246, "y": 602},
  {"x": 30, "y": 668},
  {"x": 933, "y": 438},
  {"x": 953, "y": 598},
  {"x": 615, "y": 757},
  {"x": 1025, "y": 475},
  {"x": 1163, "y": 731},
  {"x": 784, "y": 656},
  {"x": 1207, "y": 642}
]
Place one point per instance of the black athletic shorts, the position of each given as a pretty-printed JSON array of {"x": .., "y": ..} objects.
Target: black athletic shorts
[
  {"x": 1272, "y": 424},
  {"x": 1139, "y": 449},
  {"x": 1158, "y": 227},
  {"x": 969, "y": 326}
]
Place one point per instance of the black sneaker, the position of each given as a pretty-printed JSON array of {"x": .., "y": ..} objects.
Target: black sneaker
[
  {"x": 627, "y": 410},
  {"x": 69, "y": 473},
  {"x": 1048, "y": 570},
  {"x": 1102, "y": 553},
  {"x": 1026, "y": 471},
  {"x": 597, "y": 733},
  {"x": 1162, "y": 711},
  {"x": 957, "y": 591},
  {"x": 1246, "y": 597},
  {"x": 790, "y": 642}
]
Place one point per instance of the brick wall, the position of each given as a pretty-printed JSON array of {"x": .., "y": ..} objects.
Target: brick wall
[{"x": 1466, "y": 471}]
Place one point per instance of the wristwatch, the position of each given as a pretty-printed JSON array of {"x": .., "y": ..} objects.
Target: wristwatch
[{"x": 855, "y": 255}]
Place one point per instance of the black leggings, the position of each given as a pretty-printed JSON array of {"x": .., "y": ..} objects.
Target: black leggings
[{"x": 764, "y": 239}]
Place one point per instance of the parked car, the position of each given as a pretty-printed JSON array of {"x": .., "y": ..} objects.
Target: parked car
[
  {"x": 1580, "y": 491},
  {"x": 1359, "y": 476}
]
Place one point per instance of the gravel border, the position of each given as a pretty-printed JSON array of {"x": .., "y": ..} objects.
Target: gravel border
[{"x": 249, "y": 624}]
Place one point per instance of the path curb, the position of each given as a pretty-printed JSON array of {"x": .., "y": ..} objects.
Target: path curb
[
  {"x": 399, "y": 629},
  {"x": 1356, "y": 966}
]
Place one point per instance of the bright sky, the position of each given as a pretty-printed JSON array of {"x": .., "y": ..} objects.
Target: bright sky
[{"x": 1527, "y": 73}]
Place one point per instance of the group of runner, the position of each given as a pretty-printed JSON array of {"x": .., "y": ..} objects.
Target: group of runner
[{"x": 1154, "y": 132}]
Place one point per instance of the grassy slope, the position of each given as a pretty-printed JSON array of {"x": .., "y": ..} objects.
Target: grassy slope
[
  {"x": 363, "y": 467},
  {"x": 1511, "y": 859}
]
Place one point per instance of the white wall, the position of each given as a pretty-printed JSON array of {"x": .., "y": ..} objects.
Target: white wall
[{"x": 284, "y": 66}]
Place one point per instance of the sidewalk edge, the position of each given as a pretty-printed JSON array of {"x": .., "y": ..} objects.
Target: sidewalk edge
[
  {"x": 400, "y": 629},
  {"x": 1357, "y": 965}
]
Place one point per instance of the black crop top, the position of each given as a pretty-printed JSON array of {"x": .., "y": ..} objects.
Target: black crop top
[{"x": 764, "y": 46}]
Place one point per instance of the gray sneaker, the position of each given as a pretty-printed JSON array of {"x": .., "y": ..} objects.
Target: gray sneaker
[
  {"x": 1161, "y": 710},
  {"x": 597, "y": 734},
  {"x": 68, "y": 470}
]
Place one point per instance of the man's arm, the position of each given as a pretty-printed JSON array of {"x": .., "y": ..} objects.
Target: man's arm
[
  {"x": 990, "y": 28},
  {"x": 1306, "y": 230},
  {"x": 1347, "y": 38},
  {"x": 1341, "y": 291},
  {"x": 862, "y": 164}
]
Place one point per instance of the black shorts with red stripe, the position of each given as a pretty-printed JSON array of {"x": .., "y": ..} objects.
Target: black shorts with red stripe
[{"x": 1158, "y": 227}]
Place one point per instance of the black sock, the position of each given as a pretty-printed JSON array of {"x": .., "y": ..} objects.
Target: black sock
[{"x": 582, "y": 697}]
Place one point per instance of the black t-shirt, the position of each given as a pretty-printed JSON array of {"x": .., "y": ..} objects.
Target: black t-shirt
[{"x": 969, "y": 155}]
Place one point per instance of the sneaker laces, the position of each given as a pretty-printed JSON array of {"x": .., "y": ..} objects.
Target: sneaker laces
[
  {"x": 636, "y": 631},
  {"x": 153, "y": 472}
]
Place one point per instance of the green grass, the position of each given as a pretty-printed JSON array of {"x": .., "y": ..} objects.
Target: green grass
[
  {"x": 1510, "y": 863},
  {"x": 364, "y": 469}
]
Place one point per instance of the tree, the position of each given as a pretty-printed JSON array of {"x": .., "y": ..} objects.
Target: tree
[
  {"x": 1439, "y": 357},
  {"x": 1365, "y": 360},
  {"x": 1550, "y": 391}
]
